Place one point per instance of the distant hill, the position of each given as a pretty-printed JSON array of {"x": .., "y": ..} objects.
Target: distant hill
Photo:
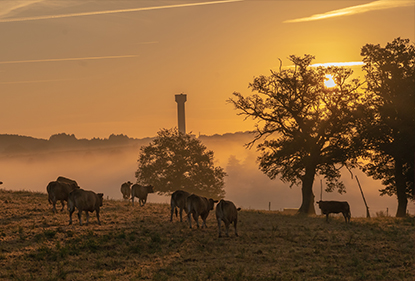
[{"x": 19, "y": 145}]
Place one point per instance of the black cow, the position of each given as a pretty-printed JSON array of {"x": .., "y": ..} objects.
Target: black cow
[{"x": 328, "y": 207}]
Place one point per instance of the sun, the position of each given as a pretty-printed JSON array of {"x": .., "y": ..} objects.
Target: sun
[{"x": 329, "y": 82}]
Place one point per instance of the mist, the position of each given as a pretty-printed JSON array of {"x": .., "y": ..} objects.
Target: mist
[{"x": 104, "y": 170}]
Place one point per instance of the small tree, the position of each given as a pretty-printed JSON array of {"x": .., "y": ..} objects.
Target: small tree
[
  {"x": 174, "y": 161},
  {"x": 388, "y": 129},
  {"x": 312, "y": 125}
]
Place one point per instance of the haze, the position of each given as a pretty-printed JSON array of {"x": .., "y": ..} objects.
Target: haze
[
  {"x": 105, "y": 169},
  {"x": 96, "y": 68}
]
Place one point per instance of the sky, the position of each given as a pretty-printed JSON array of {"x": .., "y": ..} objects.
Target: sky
[{"x": 96, "y": 68}]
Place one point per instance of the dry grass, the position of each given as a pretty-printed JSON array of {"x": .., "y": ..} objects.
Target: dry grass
[{"x": 141, "y": 243}]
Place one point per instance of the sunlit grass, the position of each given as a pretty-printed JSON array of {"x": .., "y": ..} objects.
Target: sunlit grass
[{"x": 136, "y": 243}]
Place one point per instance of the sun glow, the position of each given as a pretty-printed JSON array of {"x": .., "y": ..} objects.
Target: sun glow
[{"x": 329, "y": 82}]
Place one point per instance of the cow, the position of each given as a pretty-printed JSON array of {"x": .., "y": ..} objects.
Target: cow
[
  {"x": 59, "y": 191},
  {"x": 141, "y": 192},
  {"x": 178, "y": 199},
  {"x": 126, "y": 190},
  {"x": 199, "y": 206},
  {"x": 328, "y": 207},
  {"x": 63, "y": 179},
  {"x": 228, "y": 213},
  {"x": 84, "y": 200}
]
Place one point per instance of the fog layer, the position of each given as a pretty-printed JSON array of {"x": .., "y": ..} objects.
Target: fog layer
[{"x": 104, "y": 170}]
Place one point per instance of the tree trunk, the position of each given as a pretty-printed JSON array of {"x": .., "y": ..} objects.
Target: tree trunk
[
  {"x": 400, "y": 189},
  {"x": 307, "y": 206}
]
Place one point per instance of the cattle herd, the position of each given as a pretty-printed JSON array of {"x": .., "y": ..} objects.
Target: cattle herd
[{"x": 64, "y": 189}]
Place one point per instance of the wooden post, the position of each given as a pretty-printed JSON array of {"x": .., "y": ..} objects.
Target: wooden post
[
  {"x": 363, "y": 196},
  {"x": 269, "y": 206}
]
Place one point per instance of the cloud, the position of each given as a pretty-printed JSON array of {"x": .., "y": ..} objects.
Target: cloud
[
  {"x": 8, "y": 7},
  {"x": 113, "y": 11},
  {"x": 372, "y": 6},
  {"x": 68, "y": 59}
]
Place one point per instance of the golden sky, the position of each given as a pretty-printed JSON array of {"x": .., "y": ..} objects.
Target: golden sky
[{"x": 95, "y": 68}]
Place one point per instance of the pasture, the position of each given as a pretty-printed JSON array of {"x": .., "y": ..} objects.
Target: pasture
[{"x": 140, "y": 243}]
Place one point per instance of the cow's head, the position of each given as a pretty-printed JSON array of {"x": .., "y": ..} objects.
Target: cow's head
[{"x": 101, "y": 198}]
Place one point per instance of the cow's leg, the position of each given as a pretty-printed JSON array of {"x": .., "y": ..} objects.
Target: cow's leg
[
  {"x": 54, "y": 205},
  {"x": 63, "y": 204},
  {"x": 132, "y": 199},
  {"x": 181, "y": 213},
  {"x": 227, "y": 229},
  {"x": 196, "y": 218},
  {"x": 97, "y": 211},
  {"x": 189, "y": 219},
  {"x": 219, "y": 226},
  {"x": 70, "y": 215},
  {"x": 327, "y": 217},
  {"x": 173, "y": 208},
  {"x": 87, "y": 217},
  {"x": 80, "y": 217}
]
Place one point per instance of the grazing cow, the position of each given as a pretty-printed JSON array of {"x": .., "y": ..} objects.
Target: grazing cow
[
  {"x": 141, "y": 192},
  {"x": 59, "y": 191},
  {"x": 335, "y": 207},
  {"x": 178, "y": 199},
  {"x": 199, "y": 206},
  {"x": 126, "y": 190},
  {"x": 84, "y": 200},
  {"x": 63, "y": 179},
  {"x": 228, "y": 213}
]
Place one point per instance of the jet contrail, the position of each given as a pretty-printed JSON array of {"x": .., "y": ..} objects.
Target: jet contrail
[
  {"x": 349, "y": 63},
  {"x": 114, "y": 11},
  {"x": 372, "y": 6},
  {"x": 68, "y": 59}
]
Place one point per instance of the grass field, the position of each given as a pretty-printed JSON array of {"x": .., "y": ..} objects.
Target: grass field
[{"x": 139, "y": 243}]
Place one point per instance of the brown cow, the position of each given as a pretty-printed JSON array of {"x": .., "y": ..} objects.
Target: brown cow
[
  {"x": 84, "y": 200},
  {"x": 328, "y": 207},
  {"x": 228, "y": 213},
  {"x": 141, "y": 192},
  {"x": 199, "y": 206},
  {"x": 59, "y": 191},
  {"x": 63, "y": 179},
  {"x": 126, "y": 190},
  {"x": 178, "y": 199}
]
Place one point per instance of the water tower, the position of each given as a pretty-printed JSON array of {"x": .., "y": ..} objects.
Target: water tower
[{"x": 181, "y": 121}]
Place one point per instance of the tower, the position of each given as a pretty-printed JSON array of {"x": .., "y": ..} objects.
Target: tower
[{"x": 181, "y": 99}]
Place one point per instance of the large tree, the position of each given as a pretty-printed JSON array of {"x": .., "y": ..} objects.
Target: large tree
[
  {"x": 177, "y": 161},
  {"x": 388, "y": 130},
  {"x": 305, "y": 127}
]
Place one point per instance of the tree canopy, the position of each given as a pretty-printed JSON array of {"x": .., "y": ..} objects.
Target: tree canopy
[
  {"x": 177, "y": 161},
  {"x": 388, "y": 127},
  {"x": 305, "y": 128}
]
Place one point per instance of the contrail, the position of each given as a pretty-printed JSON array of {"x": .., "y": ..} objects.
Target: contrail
[
  {"x": 372, "y": 6},
  {"x": 349, "y": 63},
  {"x": 68, "y": 59},
  {"x": 114, "y": 11}
]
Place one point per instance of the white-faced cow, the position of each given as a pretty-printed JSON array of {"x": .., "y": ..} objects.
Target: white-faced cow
[
  {"x": 141, "y": 192},
  {"x": 84, "y": 200},
  {"x": 328, "y": 207},
  {"x": 228, "y": 213},
  {"x": 126, "y": 190},
  {"x": 178, "y": 200},
  {"x": 59, "y": 191},
  {"x": 199, "y": 206}
]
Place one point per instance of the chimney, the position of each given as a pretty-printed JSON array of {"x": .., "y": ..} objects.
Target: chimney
[{"x": 181, "y": 99}]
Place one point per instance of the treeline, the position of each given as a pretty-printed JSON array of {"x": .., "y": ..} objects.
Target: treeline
[{"x": 16, "y": 144}]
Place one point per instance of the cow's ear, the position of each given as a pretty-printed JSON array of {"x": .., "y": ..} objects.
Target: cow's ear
[
  {"x": 101, "y": 195},
  {"x": 215, "y": 201}
]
